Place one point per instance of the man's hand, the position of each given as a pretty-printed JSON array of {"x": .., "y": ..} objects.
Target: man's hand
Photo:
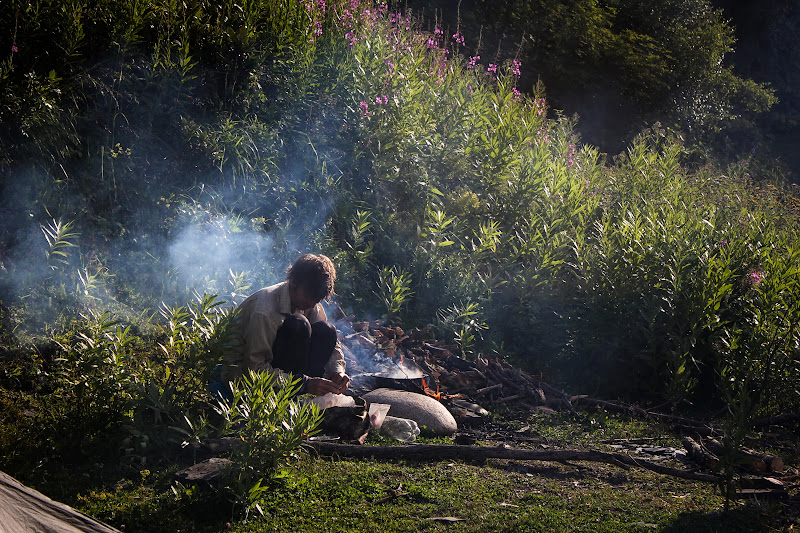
[
  {"x": 321, "y": 386},
  {"x": 342, "y": 381}
]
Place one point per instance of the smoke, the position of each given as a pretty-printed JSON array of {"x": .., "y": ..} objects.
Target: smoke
[
  {"x": 379, "y": 362},
  {"x": 208, "y": 257}
]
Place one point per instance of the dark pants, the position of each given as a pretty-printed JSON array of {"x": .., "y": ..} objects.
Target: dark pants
[
  {"x": 303, "y": 348},
  {"x": 300, "y": 347}
]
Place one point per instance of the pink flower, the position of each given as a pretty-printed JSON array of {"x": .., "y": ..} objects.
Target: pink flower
[
  {"x": 472, "y": 61},
  {"x": 364, "y": 107},
  {"x": 14, "y": 48}
]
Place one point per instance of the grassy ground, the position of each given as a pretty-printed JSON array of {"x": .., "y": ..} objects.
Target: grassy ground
[{"x": 333, "y": 494}]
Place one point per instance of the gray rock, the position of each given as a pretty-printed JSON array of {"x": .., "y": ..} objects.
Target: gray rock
[{"x": 432, "y": 417}]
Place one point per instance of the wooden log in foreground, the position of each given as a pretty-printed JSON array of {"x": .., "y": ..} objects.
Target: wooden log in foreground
[
  {"x": 421, "y": 452},
  {"x": 699, "y": 454},
  {"x": 758, "y": 461}
]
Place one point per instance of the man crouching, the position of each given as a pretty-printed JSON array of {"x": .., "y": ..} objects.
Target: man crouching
[{"x": 283, "y": 329}]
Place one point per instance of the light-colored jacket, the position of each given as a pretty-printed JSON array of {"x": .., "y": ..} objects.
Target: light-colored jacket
[{"x": 259, "y": 318}]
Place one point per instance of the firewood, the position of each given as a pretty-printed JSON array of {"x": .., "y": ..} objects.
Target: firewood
[
  {"x": 762, "y": 494},
  {"x": 755, "y": 460},
  {"x": 507, "y": 399},
  {"x": 699, "y": 454},
  {"x": 486, "y": 390},
  {"x": 499, "y": 377},
  {"x": 361, "y": 339},
  {"x": 538, "y": 395}
]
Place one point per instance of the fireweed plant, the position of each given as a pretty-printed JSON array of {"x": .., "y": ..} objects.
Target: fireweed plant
[{"x": 143, "y": 140}]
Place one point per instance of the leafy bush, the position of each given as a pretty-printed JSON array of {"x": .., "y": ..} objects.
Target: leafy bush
[{"x": 272, "y": 425}]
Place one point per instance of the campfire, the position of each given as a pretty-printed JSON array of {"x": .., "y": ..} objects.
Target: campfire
[{"x": 383, "y": 355}]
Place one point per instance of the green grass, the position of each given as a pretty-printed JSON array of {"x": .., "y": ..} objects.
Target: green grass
[{"x": 330, "y": 494}]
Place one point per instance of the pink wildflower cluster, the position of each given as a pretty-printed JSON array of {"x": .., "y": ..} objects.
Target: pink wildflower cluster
[
  {"x": 472, "y": 61},
  {"x": 542, "y": 136},
  {"x": 491, "y": 70},
  {"x": 540, "y": 105},
  {"x": 364, "y": 107},
  {"x": 359, "y": 15},
  {"x": 571, "y": 155},
  {"x": 382, "y": 100},
  {"x": 515, "y": 65},
  {"x": 317, "y": 11},
  {"x": 458, "y": 38},
  {"x": 755, "y": 277},
  {"x": 14, "y": 48}
]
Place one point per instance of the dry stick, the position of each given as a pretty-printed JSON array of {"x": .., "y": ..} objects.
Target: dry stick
[
  {"x": 488, "y": 389},
  {"x": 445, "y": 451},
  {"x": 502, "y": 379},
  {"x": 550, "y": 390},
  {"x": 510, "y": 398}
]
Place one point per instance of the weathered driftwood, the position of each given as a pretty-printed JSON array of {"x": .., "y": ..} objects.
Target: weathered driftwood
[{"x": 423, "y": 452}]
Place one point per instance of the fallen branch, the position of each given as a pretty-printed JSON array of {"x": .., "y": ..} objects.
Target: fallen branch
[{"x": 443, "y": 451}]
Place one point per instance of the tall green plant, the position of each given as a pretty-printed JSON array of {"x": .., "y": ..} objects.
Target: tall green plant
[
  {"x": 195, "y": 337},
  {"x": 394, "y": 290},
  {"x": 272, "y": 425}
]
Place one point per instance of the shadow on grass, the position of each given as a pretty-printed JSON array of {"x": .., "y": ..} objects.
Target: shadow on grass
[{"x": 737, "y": 520}]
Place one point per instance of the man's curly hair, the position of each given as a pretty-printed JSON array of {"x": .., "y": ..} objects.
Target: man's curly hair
[{"x": 315, "y": 274}]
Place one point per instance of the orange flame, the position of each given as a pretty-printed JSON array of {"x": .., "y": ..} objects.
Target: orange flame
[{"x": 437, "y": 395}]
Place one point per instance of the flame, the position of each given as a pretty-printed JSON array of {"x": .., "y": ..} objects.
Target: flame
[{"x": 437, "y": 395}]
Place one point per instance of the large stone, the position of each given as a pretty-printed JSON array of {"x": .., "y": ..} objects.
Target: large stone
[{"x": 432, "y": 417}]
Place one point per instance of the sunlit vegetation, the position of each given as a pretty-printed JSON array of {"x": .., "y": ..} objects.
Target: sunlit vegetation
[{"x": 154, "y": 153}]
